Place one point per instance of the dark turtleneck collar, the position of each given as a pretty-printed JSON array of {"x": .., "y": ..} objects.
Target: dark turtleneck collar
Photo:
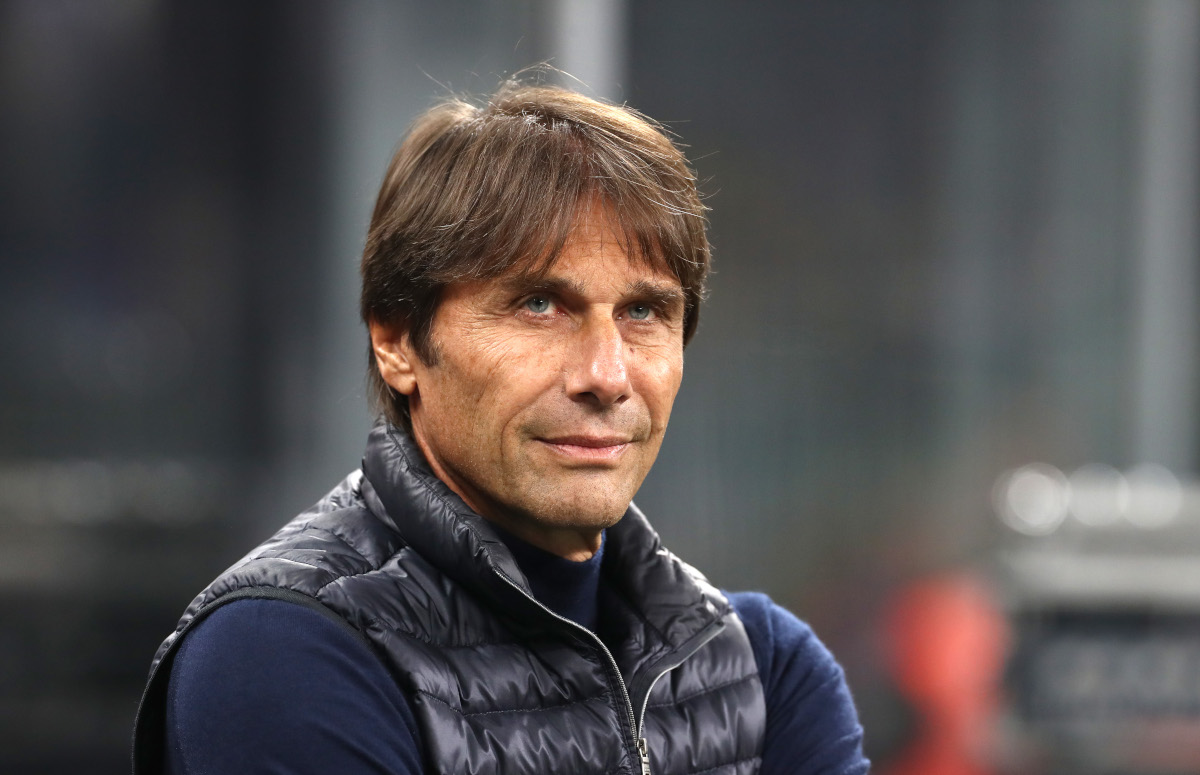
[{"x": 566, "y": 587}]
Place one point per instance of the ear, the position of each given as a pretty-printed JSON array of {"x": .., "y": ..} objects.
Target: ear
[{"x": 394, "y": 356}]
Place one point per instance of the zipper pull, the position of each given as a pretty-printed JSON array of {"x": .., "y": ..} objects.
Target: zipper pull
[{"x": 644, "y": 754}]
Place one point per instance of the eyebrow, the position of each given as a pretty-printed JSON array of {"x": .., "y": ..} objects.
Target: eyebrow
[
  {"x": 663, "y": 295},
  {"x": 532, "y": 283}
]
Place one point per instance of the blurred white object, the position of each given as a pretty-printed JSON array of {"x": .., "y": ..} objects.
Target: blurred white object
[
  {"x": 1032, "y": 499},
  {"x": 1155, "y": 496}
]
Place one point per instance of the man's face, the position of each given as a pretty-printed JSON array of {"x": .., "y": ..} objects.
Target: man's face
[{"x": 549, "y": 397}]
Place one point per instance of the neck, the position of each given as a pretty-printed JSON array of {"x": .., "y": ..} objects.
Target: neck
[{"x": 577, "y": 545}]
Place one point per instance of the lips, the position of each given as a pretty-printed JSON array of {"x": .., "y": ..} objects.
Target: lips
[
  {"x": 594, "y": 442},
  {"x": 582, "y": 448}
]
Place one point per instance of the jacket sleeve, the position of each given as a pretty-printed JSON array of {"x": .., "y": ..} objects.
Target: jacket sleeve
[
  {"x": 812, "y": 726},
  {"x": 266, "y": 686}
]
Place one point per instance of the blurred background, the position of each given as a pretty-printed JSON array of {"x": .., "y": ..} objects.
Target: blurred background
[{"x": 942, "y": 404}]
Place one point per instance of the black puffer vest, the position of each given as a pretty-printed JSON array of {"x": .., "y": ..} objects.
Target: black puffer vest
[{"x": 498, "y": 683}]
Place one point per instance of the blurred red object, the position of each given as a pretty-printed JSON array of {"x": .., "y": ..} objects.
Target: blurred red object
[{"x": 946, "y": 642}]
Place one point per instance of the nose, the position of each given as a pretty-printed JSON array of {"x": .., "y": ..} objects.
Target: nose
[{"x": 599, "y": 374}]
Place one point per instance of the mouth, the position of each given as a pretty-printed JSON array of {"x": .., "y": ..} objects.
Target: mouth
[{"x": 588, "y": 449}]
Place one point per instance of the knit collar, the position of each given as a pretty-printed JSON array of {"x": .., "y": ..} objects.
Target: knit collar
[{"x": 567, "y": 587}]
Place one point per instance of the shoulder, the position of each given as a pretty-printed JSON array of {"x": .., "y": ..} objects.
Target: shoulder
[
  {"x": 280, "y": 682},
  {"x": 811, "y": 719},
  {"x": 778, "y": 637},
  {"x": 338, "y": 537}
]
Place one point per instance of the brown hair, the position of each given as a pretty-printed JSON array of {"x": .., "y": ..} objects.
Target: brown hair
[{"x": 475, "y": 192}]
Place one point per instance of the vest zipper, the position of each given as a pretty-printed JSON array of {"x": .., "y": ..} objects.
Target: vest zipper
[
  {"x": 697, "y": 643},
  {"x": 640, "y": 742},
  {"x": 635, "y": 722}
]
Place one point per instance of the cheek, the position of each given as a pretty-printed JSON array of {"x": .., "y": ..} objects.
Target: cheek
[
  {"x": 659, "y": 376},
  {"x": 498, "y": 381}
]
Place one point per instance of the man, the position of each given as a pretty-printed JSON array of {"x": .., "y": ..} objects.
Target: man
[{"x": 483, "y": 597}]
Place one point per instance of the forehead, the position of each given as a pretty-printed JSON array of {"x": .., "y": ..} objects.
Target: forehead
[{"x": 596, "y": 252}]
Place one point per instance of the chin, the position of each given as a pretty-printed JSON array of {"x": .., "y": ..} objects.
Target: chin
[
  {"x": 573, "y": 499},
  {"x": 581, "y": 513}
]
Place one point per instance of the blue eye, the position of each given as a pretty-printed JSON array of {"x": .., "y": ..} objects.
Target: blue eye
[
  {"x": 538, "y": 304},
  {"x": 640, "y": 312}
]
